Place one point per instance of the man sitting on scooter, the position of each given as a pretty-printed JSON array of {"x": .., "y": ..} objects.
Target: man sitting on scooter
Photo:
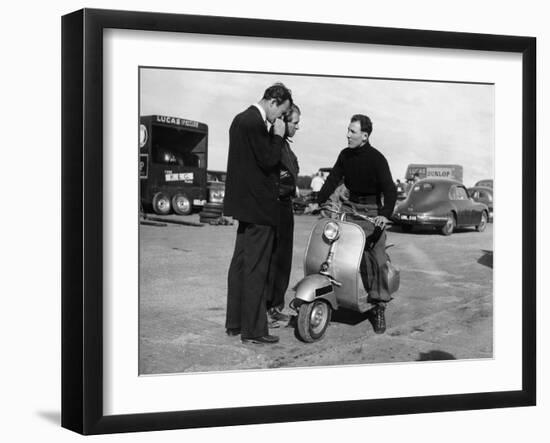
[{"x": 367, "y": 176}]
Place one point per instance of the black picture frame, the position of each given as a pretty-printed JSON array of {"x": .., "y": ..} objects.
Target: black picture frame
[{"x": 82, "y": 217}]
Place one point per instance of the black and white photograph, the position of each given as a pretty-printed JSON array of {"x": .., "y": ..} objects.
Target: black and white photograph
[{"x": 300, "y": 220}]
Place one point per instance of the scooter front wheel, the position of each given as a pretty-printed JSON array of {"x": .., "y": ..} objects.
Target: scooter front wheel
[{"x": 313, "y": 320}]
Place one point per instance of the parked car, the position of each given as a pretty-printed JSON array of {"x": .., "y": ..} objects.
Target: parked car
[
  {"x": 488, "y": 183},
  {"x": 216, "y": 185},
  {"x": 401, "y": 190},
  {"x": 440, "y": 203},
  {"x": 483, "y": 194}
]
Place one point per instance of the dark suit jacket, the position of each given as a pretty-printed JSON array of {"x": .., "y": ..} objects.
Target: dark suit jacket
[{"x": 252, "y": 185}]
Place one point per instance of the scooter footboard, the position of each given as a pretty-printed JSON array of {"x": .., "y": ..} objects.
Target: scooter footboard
[{"x": 316, "y": 286}]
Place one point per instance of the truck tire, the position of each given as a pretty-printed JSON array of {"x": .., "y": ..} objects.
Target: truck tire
[
  {"x": 208, "y": 215},
  {"x": 214, "y": 206},
  {"x": 182, "y": 204},
  {"x": 161, "y": 203}
]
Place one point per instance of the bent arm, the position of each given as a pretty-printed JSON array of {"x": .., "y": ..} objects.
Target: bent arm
[
  {"x": 332, "y": 182},
  {"x": 388, "y": 188},
  {"x": 265, "y": 147}
]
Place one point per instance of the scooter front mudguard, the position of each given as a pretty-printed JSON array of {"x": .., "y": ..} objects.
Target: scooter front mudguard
[{"x": 313, "y": 287}]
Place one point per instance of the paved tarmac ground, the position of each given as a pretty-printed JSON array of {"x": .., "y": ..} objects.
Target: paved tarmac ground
[{"x": 443, "y": 309}]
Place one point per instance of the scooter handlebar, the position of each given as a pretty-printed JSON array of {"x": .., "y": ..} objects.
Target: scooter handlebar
[{"x": 339, "y": 210}]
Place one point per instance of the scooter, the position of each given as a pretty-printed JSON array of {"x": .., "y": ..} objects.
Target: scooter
[{"x": 332, "y": 278}]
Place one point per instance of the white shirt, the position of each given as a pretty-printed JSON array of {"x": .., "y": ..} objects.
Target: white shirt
[{"x": 317, "y": 183}]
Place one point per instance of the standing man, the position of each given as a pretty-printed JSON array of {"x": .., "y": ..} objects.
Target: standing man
[
  {"x": 367, "y": 176},
  {"x": 251, "y": 197},
  {"x": 281, "y": 263},
  {"x": 317, "y": 183}
]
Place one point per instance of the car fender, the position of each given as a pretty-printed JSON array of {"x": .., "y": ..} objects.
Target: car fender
[
  {"x": 445, "y": 208},
  {"x": 479, "y": 208}
]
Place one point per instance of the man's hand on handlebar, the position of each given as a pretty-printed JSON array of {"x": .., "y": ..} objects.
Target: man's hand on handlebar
[
  {"x": 381, "y": 221},
  {"x": 313, "y": 207}
]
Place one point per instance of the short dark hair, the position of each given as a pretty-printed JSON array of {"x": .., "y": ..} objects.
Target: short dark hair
[
  {"x": 294, "y": 109},
  {"x": 279, "y": 92},
  {"x": 364, "y": 121}
]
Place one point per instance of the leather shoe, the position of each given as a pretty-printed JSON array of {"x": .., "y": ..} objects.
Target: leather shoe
[
  {"x": 266, "y": 339},
  {"x": 276, "y": 315},
  {"x": 379, "y": 320},
  {"x": 233, "y": 331}
]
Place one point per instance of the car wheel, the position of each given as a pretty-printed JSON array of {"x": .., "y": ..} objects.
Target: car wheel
[
  {"x": 483, "y": 223},
  {"x": 161, "y": 203},
  {"x": 449, "y": 226},
  {"x": 313, "y": 320},
  {"x": 182, "y": 204},
  {"x": 406, "y": 228}
]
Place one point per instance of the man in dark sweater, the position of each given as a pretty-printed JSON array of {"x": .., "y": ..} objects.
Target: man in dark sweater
[
  {"x": 367, "y": 177},
  {"x": 252, "y": 198}
]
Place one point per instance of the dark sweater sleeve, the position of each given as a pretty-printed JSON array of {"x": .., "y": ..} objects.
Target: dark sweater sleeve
[
  {"x": 388, "y": 189},
  {"x": 332, "y": 182}
]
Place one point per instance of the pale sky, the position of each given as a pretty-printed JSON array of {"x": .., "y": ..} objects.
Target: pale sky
[{"x": 413, "y": 121}]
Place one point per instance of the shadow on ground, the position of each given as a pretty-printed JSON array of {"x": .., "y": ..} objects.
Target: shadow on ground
[
  {"x": 425, "y": 230},
  {"x": 435, "y": 355},
  {"x": 53, "y": 417},
  {"x": 486, "y": 259},
  {"x": 349, "y": 317}
]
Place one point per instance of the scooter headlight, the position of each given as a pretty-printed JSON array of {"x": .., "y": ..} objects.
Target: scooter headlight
[{"x": 331, "y": 231}]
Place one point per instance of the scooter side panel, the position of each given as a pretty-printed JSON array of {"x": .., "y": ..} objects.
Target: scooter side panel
[{"x": 348, "y": 252}]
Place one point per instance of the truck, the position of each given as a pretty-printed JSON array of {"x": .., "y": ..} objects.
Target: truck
[
  {"x": 434, "y": 170},
  {"x": 173, "y": 157}
]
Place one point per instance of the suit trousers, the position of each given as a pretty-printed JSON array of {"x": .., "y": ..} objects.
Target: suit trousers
[
  {"x": 248, "y": 281},
  {"x": 281, "y": 264}
]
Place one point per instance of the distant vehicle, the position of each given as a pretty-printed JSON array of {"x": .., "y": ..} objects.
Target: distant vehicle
[
  {"x": 453, "y": 172},
  {"x": 216, "y": 185},
  {"x": 173, "y": 155},
  {"x": 440, "y": 203},
  {"x": 401, "y": 191},
  {"x": 483, "y": 194},
  {"x": 216, "y": 176},
  {"x": 488, "y": 183}
]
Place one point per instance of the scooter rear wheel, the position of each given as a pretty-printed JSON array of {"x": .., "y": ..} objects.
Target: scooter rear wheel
[{"x": 313, "y": 320}]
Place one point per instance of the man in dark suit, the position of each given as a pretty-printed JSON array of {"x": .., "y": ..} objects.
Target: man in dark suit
[{"x": 251, "y": 197}]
